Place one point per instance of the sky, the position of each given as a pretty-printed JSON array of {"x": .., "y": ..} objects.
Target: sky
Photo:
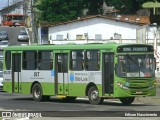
[{"x": 3, "y": 3}]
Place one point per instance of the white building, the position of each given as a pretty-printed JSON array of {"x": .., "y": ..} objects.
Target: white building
[{"x": 96, "y": 29}]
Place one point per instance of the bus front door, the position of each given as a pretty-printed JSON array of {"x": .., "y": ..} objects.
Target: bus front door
[
  {"x": 16, "y": 73},
  {"x": 61, "y": 78},
  {"x": 108, "y": 73}
]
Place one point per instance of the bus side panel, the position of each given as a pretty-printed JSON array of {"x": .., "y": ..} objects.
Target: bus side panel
[
  {"x": 48, "y": 88},
  {"x": 77, "y": 89},
  {"x": 44, "y": 78},
  {"x": 78, "y": 81},
  {"x": 7, "y": 85},
  {"x": 25, "y": 87}
]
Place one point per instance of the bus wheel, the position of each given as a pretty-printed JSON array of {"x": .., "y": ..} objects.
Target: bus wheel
[
  {"x": 69, "y": 99},
  {"x": 93, "y": 96},
  {"x": 127, "y": 100},
  {"x": 37, "y": 92}
]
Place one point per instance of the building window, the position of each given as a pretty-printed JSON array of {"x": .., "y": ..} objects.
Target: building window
[
  {"x": 77, "y": 60},
  {"x": 98, "y": 36},
  {"x": 8, "y": 60},
  {"x": 117, "y": 36},
  {"x": 45, "y": 60},
  {"x": 79, "y": 37},
  {"x": 92, "y": 61},
  {"x": 29, "y": 60},
  {"x": 59, "y": 37},
  {"x": 50, "y": 37}
]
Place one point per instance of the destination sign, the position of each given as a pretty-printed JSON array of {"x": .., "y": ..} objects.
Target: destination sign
[{"x": 135, "y": 48}]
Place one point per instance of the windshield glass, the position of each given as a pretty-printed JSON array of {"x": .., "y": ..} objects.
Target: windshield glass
[
  {"x": 22, "y": 33},
  {"x": 135, "y": 66}
]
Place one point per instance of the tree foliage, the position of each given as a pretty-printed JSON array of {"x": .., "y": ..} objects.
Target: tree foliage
[
  {"x": 127, "y": 6},
  {"x": 60, "y": 10},
  {"x": 94, "y": 6},
  {"x": 65, "y": 10}
]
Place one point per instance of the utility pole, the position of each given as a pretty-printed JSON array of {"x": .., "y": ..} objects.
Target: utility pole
[
  {"x": 8, "y": 3},
  {"x": 33, "y": 24},
  {"x": 32, "y": 20}
]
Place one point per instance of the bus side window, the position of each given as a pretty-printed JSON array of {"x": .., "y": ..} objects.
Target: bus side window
[
  {"x": 45, "y": 59},
  {"x": 77, "y": 60},
  {"x": 29, "y": 60},
  {"x": 92, "y": 60}
]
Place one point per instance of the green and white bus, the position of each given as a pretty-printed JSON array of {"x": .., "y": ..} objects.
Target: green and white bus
[{"x": 96, "y": 71}]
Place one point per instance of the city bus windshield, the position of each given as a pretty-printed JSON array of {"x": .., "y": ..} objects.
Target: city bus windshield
[{"x": 136, "y": 66}]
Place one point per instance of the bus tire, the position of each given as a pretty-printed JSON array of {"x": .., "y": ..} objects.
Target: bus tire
[
  {"x": 127, "y": 100},
  {"x": 37, "y": 92},
  {"x": 93, "y": 96}
]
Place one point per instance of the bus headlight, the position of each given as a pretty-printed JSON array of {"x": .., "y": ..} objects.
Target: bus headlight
[
  {"x": 122, "y": 86},
  {"x": 152, "y": 86}
]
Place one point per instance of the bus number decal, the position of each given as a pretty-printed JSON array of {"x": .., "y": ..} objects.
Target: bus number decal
[{"x": 36, "y": 74}]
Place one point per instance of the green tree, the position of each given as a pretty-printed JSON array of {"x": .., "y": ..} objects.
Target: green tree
[
  {"x": 127, "y": 6},
  {"x": 94, "y": 6},
  {"x": 60, "y": 10}
]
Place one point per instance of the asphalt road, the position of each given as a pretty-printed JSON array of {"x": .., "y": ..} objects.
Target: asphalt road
[
  {"x": 13, "y": 33},
  {"x": 80, "y": 108},
  {"x": 25, "y": 102}
]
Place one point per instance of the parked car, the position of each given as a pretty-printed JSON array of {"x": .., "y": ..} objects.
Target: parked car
[
  {"x": 3, "y": 35},
  {"x": 4, "y": 44},
  {"x": 23, "y": 36}
]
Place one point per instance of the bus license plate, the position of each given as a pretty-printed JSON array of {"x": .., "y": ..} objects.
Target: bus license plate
[{"x": 139, "y": 92}]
